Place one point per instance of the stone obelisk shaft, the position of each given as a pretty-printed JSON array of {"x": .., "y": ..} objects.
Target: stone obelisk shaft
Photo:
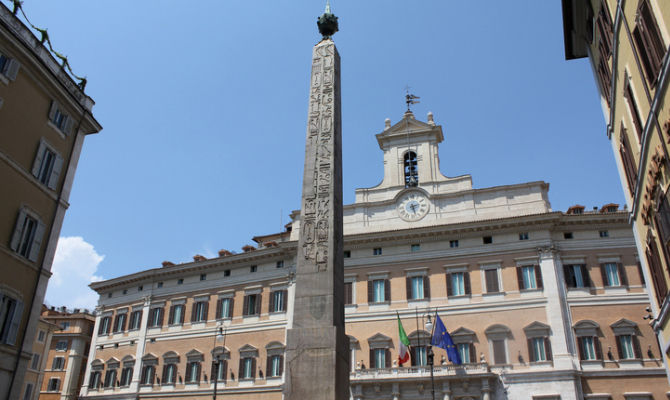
[{"x": 317, "y": 348}]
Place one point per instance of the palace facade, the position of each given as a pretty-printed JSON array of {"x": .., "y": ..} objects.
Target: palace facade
[
  {"x": 627, "y": 43},
  {"x": 541, "y": 304}
]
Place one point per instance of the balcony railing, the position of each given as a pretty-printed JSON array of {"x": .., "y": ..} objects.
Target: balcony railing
[{"x": 419, "y": 371}]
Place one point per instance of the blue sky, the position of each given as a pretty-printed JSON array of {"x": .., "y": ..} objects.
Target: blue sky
[{"x": 204, "y": 108}]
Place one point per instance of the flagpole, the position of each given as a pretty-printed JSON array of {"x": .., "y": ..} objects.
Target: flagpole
[
  {"x": 418, "y": 333},
  {"x": 430, "y": 355}
]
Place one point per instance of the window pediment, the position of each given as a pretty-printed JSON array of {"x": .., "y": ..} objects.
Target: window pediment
[
  {"x": 221, "y": 352},
  {"x": 248, "y": 351},
  {"x": 624, "y": 327},
  {"x": 463, "y": 335},
  {"x": 97, "y": 364},
  {"x": 353, "y": 342},
  {"x": 586, "y": 328},
  {"x": 537, "y": 329},
  {"x": 498, "y": 331},
  {"x": 194, "y": 355},
  {"x": 112, "y": 363},
  {"x": 171, "y": 357},
  {"x": 379, "y": 341},
  {"x": 419, "y": 338}
]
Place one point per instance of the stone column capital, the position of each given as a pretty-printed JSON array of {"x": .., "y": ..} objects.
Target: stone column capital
[{"x": 547, "y": 252}]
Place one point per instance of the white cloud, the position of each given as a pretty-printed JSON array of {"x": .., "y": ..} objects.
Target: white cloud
[{"x": 74, "y": 267}]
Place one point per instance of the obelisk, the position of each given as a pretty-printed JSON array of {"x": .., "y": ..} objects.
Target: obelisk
[{"x": 317, "y": 348}]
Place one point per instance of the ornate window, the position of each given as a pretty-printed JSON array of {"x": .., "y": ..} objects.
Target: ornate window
[
  {"x": 648, "y": 41},
  {"x": 194, "y": 360},
  {"x": 497, "y": 336},
  {"x": 110, "y": 374},
  {"x": 170, "y": 362},
  {"x": 274, "y": 366},
  {"x": 94, "y": 379},
  {"x": 418, "y": 341},
  {"x": 120, "y": 321},
  {"x": 539, "y": 345},
  {"x": 248, "y": 356},
  {"x": 127, "y": 370},
  {"x": 588, "y": 344},
  {"x": 464, "y": 340},
  {"x": 380, "y": 353},
  {"x": 628, "y": 344},
  {"x": 149, "y": 362},
  {"x": 135, "y": 320},
  {"x": 220, "y": 357}
]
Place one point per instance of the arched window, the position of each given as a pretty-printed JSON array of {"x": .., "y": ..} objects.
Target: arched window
[{"x": 411, "y": 170}]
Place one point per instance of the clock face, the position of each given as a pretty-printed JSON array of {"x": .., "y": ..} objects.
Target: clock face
[{"x": 413, "y": 206}]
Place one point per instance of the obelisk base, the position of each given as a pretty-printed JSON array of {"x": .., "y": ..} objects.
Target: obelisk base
[{"x": 322, "y": 354}]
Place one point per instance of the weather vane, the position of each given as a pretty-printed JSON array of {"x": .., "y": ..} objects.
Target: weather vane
[{"x": 410, "y": 98}]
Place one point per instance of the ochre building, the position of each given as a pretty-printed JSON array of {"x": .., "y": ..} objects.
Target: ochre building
[
  {"x": 44, "y": 117},
  {"x": 627, "y": 43},
  {"x": 540, "y": 304}
]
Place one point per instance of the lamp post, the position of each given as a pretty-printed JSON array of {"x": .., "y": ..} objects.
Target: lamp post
[
  {"x": 220, "y": 333},
  {"x": 430, "y": 355}
]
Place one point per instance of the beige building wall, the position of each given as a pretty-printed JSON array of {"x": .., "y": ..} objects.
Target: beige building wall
[{"x": 44, "y": 117}]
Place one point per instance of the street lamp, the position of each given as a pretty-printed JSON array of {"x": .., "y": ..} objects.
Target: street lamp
[
  {"x": 220, "y": 333},
  {"x": 430, "y": 355}
]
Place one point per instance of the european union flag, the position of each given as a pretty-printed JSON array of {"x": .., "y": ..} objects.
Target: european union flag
[{"x": 442, "y": 339}]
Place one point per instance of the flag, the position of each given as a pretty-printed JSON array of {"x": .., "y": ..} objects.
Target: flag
[
  {"x": 403, "y": 347},
  {"x": 442, "y": 339}
]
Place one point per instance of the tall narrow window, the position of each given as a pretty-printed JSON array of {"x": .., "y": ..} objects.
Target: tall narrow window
[
  {"x": 224, "y": 308},
  {"x": 278, "y": 301},
  {"x": 576, "y": 276},
  {"x": 156, "y": 317},
  {"x": 632, "y": 105},
  {"x": 199, "y": 312},
  {"x": 458, "y": 284},
  {"x": 411, "y": 169},
  {"x": 379, "y": 291},
  {"x": 648, "y": 41},
  {"x": 529, "y": 277},
  {"x": 348, "y": 292},
  {"x": 656, "y": 269},
  {"x": 418, "y": 287},
  {"x": 126, "y": 376},
  {"x": 252, "y": 304},
  {"x": 492, "y": 284},
  {"x": 135, "y": 320},
  {"x": 613, "y": 274},
  {"x": 148, "y": 375},
  {"x": 176, "y": 314},
  {"x": 628, "y": 161}
]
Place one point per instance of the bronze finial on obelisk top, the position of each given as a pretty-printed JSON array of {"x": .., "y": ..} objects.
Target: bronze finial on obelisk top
[
  {"x": 327, "y": 22},
  {"x": 317, "y": 348}
]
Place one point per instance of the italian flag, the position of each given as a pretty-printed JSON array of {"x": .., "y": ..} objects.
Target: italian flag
[{"x": 403, "y": 348}]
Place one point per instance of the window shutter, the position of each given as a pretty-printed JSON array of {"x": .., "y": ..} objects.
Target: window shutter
[
  {"x": 52, "y": 110},
  {"x": 348, "y": 292},
  {"x": 240, "y": 372},
  {"x": 213, "y": 375},
  {"x": 253, "y": 366},
  {"x": 281, "y": 365},
  {"x": 164, "y": 373},
  {"x": 473, "y": 353},
  {"x": 224, "y": 369},
  {"x": 450, "y": 290},
  {"x": 100, "y": 326},
  {"x": 37, "y": 241},
  {"x": 622, "y": 274},
  {"x": 124, "y": 317},
  {"x": 371, "y": 296},
  {"x": 245, "y": 308},
  {"x": 636, "y": 346},
  {"x": 408, "y": 287},
  {"x": 387, "y": 358},
  {"x": 160, "y": 316},
  {"x": 372, "y": 359},
  {"x": 569, "y": 276},
  {"x": 531, "y": 354},
  {"x": 18, "y": 231},
  {"x": 387, "y": 290},
  {"x": 519, "y": 278},
  {"x": 619, "y": 347},
  {"x": 231, "y": 308},
  {"x": 205, "y": 311},
  {"x": 268, "y": 363},
  {"x": 171, "y": 315},
  {"x": 466, "y": 282},
  {"x": 38, "y": 158},
  {"x": 193, "y": 310},
  {"x": 188, "y": 372},
  {"x": 598, "y": 347},
  {"x": 538, "y": 277},
  {"x": 69, "y": 125},
  {"x": 603, "y": 275},
  {"x": 426, "y": 287},
  {"x": 586, "y": 276},
  {"x": 16, "y": 321},
  {"x": 285, "y": 297},
  {"x": 272, "y": 301},
  {"x": 197, "y": 377},
  {"x": 258, "y": 309},
  {"x": 12, "y": 69},
  {"x": 580, "y": 347},
  {"x": 219, "y": 308},
  {"x": 547, "y": 349},
  {"x": 55, "y": 172},
  {"x": 116, "y": 321}
]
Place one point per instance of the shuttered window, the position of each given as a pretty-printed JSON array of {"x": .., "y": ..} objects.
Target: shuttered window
[
  {"x": 47, "y": 165},
  {"x": 648, "y": 42},
  {"x": 60, "y": 119},
  {"x": 9, "y": 67},
  {"x": 628, "y": 161},
  {"x": 27, "y": 237},
  {"x": 348, "y": 293},
  {"x": 491, "y": 277},
  {"x": 657, "y": 277},
  {"x": 252, "y": 304},
  {"x": 632, "y": 105}
]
